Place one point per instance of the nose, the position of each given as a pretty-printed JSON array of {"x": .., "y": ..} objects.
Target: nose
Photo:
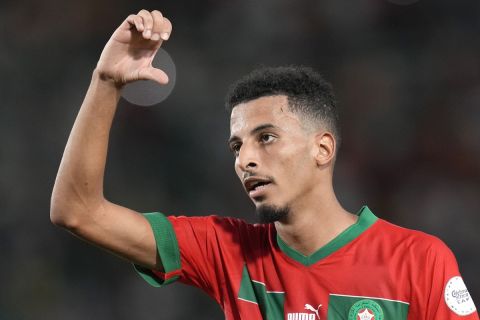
[{"x": 247, "y": 159}]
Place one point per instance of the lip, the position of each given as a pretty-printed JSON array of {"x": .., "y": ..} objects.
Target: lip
[
  {"x": 250, "y": 183},
  {"x": 259, "y": 191}
]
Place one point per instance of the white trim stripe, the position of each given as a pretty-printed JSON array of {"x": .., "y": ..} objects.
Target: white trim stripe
[
  {"x": 263, "y": 284},
  {"x": 378, "y": 298},
  {"x": 247, "y": 301}
]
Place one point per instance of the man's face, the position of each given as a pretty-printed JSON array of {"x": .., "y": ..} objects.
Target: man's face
[{"x": 274, "y": 154}]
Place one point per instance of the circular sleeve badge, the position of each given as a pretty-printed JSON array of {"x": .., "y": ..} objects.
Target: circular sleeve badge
[{"x": 457, "y": 297}]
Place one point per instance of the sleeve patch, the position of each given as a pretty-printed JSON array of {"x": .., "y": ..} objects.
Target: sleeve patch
[{"x": 457, "y": 297}]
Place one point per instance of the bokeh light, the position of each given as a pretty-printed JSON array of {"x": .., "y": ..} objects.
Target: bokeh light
[{"x": 149, "y": 93}]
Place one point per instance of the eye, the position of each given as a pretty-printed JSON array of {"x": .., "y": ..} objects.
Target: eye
[
  {"x": 235, "y": 148},
  {"x": 266, "y": 137}
]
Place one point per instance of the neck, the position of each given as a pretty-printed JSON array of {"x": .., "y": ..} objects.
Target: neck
[{"x": 314, "y": 222}]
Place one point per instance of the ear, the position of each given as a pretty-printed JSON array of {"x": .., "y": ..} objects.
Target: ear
[{"x": 324, "y": 148}]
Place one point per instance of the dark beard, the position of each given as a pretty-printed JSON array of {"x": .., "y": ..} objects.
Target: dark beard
[{"x": 269, "y": 214}]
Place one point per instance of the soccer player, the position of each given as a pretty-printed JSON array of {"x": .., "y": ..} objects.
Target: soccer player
[{"x": 309, "y": 258}]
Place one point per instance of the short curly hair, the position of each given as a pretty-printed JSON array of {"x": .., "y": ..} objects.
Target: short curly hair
[{"x": 308, "y": 93}]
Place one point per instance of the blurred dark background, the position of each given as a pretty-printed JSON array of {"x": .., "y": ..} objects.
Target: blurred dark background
[{"x": 407, "y": 77}]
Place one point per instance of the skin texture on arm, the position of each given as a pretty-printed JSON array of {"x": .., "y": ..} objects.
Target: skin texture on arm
[{"x": 78, "y": 203}]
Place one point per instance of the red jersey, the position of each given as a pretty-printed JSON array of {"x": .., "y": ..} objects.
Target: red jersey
[{"x": 373, "y": 270}]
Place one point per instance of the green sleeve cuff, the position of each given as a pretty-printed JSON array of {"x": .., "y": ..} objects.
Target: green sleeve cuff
[{"x": 167, "y": 247}]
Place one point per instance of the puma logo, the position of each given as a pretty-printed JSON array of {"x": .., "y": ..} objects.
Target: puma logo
[
  {"x": 305, "y": 315},
  {"x": 310, "y": 308}
]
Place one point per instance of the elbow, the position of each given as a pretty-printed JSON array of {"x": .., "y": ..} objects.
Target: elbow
[
  {"x": 73, "y": 215},
  {"x": 60, "y": 218},
  {"x": 71, "y": 211},
  {"x": 62, "y": 215},
  {"x": 57, "y": 219}
]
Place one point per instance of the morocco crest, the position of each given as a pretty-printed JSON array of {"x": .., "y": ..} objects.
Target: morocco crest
[{"x": 365, "y": 310}]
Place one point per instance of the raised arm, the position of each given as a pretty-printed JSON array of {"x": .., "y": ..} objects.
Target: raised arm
[{"x": 78, "y": 203}]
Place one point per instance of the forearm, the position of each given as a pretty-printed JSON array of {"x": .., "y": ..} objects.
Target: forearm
[{"x": 78, "y": 187}]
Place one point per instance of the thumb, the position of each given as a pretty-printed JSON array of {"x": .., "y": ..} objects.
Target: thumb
[{"x": 154, "y": 74}]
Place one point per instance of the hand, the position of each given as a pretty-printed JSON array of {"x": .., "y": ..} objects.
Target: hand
[{"x": 129, "y": 53}]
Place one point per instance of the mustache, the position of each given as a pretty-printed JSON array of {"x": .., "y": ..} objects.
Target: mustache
[{"x": 249, "y": 174}]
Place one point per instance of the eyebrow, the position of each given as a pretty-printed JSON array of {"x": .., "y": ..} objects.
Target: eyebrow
[{"x": 254, "y": 131}]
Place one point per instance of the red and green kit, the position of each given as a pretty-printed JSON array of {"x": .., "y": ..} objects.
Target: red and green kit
[{"x": 374, "y": 270}]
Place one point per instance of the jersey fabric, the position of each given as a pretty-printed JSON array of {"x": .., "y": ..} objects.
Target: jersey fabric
[{"x": 374, "y": 270}]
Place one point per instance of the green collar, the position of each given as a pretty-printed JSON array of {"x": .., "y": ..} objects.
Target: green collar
[{"x": 365, "y": 219}]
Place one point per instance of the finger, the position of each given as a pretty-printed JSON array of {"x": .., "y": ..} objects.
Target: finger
[
  {"x": 166, "y": 29},
  {"x": 154, "y": 74},
  {"x": 157, "y": 25},
  {"x": 147, "y": 22},
  {"x": 136, "y": 21}
]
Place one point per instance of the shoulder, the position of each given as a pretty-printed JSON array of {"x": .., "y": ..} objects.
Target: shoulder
[
  {"x": 234, "y": 237},
  {"x": 218, "y": 224},
  {"x": 412, "y": 242}
]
